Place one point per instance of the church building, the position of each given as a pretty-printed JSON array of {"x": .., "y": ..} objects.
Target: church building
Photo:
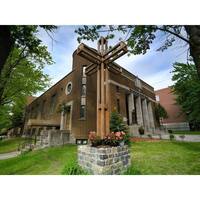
[{"x": 133, "y": 98}]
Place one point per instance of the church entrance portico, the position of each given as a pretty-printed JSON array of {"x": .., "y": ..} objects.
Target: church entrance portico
[{"x": 140, "y": 113}]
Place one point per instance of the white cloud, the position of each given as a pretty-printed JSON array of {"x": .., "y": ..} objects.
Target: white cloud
[{"x": 153, "y": 67}]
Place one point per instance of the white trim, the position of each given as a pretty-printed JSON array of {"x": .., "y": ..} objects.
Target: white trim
[{"x": 130, "y": 89}]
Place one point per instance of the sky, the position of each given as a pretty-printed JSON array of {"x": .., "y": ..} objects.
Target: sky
[{"x": 154, "y": 67}]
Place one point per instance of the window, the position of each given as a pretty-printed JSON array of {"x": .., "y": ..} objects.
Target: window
[
  {"x": 83, "y": 101},
  {"x": 82, "y": 111},
  {"x": 157, "y": 98},
  {"x": 83, "y": 94},
  {"x": 68, "y": 88},
  {"x": 84, "y": 80},
  {"x": 84, "y": 68},
  {"x": 118, "y": 106},
  {"x": 83, "y": 91}
]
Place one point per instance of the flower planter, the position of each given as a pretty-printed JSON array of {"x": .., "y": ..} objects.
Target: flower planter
[{"x": 104, "y": 160}]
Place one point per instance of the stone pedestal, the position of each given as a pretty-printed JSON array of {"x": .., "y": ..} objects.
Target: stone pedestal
[{"x": 105, "y": 161}]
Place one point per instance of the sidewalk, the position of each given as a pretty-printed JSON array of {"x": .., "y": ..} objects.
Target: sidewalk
[{"x": 13, "y": 154}]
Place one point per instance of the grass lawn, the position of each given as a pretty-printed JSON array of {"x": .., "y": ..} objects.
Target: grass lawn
[
  {"x": 187, "y": 132},
  {"x": 10, "y": 145},
  {"x": 163, "y": 157},
  {"x": 46, "y": 161}
]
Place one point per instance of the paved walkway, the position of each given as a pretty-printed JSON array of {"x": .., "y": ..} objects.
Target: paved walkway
[{"x": 4, "y": 156}]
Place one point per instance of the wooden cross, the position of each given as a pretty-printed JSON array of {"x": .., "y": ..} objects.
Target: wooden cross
[{"x": 101, "y": 63}]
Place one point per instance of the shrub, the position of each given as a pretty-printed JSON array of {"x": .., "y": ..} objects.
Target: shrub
[
  {"x": 141, "y": 130},
  {"x": 171, "y": 137},
  {"x": 170, "y": 131},
  {"x": 72, "y": 168},
  {"x": 119, "y": 133},
  {"x": 117, "y": 123}
]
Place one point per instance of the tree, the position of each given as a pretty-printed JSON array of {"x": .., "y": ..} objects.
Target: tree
[
  {"x": 160, "y": 112},
  {"x": 25, "y": 40},
  {"x": 26, "y": 79},
  {"x": 187, "y": 90},
  {"x": 139, "y": 38},
  {"x": 116, "y": 123}
]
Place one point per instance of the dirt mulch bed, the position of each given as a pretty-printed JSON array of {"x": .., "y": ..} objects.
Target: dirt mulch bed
[{"x": 138, "y": 139}]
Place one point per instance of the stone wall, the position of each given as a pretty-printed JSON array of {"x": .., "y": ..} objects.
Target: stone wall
[
  {"x": 54, "y": 138},
  {"x": 107, "y": 161}
]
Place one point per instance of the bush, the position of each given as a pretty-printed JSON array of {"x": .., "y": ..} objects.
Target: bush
[
  {"x": 72, "y": 168},
  {"x": 171, "y": 137},
  {"x": 117, "y": 123},
  {"x": 141, "y": 130},
  {"x": 170, "y": 131},
  {"x": 118, "y": 134}
]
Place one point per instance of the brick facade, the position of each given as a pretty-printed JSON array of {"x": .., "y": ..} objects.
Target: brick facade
[
  {"x": 43, "y": 112},
  {"x": 176, "y": 118}
]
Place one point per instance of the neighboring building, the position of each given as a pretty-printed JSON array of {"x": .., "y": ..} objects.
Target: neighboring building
[
  {"x": 130, "y": 96},
  {"x": 176, "y": 118}
]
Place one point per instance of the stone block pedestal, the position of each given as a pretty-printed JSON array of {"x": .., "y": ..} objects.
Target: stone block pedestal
[{"x": 104, "y": 160}]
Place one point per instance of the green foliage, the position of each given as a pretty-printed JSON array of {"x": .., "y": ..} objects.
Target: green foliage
[
  {"x": 141, "y": 130},
  {"x": 170, "y": 131},
  {"x": 26, "y": 79},
  {"x": 187, "y": 90},
  {"x": 117, "y": 123},
  {"x": 22, "y": 73},
  {"x": 5, "y": 118},
  {"x": 139, "y": 38},
  {"x": 10, "y": 145},
  {"x": 26, "y": 37},
  {"x": 160, "y": 112},
  {"x": 72, "y": 168},
  {"x": 163, "y": 157},
  {"x": 40, "y": 162}
]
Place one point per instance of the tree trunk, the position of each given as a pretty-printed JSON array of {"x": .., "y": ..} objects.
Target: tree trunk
[
  {"x": 194, "y": 38},
  {"x": 6, "y": 45}
]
